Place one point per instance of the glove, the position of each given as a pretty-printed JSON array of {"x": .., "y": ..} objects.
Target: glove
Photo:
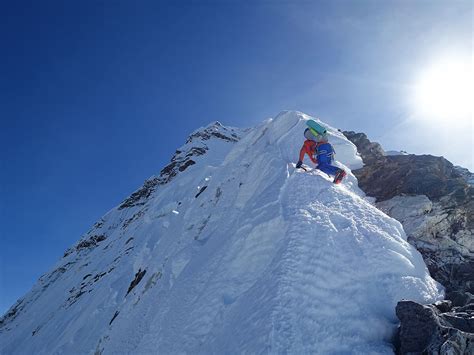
[{"x": 298, "y": 165}]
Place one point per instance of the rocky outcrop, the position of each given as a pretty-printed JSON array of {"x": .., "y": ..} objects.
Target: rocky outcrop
[
  {"x": 179, "y": 163},
  {"x": 370, "y": 151},
  {"x": 443, "y": 234},
  {"x": 90, "y": 241},
  {"x": 466, "y": 174},
  {"x": 385, "y": 177},
  {"x": 434, "y": 201},
  {"x": 138, "y": 277},
  {"x": 182, "y": 160},
  {"x": 435, "y": 329},
  {"x": 214, "y": 130}
]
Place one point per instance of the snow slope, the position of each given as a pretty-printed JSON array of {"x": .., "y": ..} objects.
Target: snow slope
[{"x": 236, "y": 252}]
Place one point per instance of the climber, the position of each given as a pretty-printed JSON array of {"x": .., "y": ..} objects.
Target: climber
[{"x": 321, "y": 152}]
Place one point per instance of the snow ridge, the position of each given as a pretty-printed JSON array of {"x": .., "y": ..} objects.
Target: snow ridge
[{"x": 238, "y": 251}]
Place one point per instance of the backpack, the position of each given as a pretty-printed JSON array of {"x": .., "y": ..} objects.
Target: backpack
[
  {"x": 325, "y": 153},
  {"x": 318, "y": 138}
]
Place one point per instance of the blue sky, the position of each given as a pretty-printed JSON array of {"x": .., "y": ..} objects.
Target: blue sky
[{"x": 97, "y": 95}]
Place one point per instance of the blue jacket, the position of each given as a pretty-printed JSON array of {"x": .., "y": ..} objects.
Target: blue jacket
[{"x": 325, "y": 153}]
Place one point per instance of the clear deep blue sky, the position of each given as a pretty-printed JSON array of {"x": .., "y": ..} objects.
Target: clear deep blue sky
[{"x": 97, "y": 95}]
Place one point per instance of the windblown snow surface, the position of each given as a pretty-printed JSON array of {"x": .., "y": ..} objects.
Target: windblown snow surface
[{"x": 266, "y": 259}]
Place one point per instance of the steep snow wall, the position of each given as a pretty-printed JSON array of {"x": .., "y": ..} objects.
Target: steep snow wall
[{"x": 238, "y": 252}]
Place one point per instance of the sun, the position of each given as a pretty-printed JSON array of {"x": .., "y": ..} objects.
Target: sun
[{"x": 444, "y": 90}]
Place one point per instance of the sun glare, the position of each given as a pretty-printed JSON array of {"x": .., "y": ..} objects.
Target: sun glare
[{"x": 444, "y": 90}]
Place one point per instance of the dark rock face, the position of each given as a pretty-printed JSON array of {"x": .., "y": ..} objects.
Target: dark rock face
[
  {"x": 138, "y": 277},
  {"x": 209, "y": 133},
  {"x": 435, "y": 329},
  {"x": 457, "y": 277},
  {"x": 434, "y": 201},
  {"x": 179, "y": 163},
  {"x": 91, "y": 241},
  {"x": 181, "y": 160},
  {"x": 11, "y": 314},
  {"x": 370, "y": 151},
  {"x": 442, "y": 231},
  {"x": 434, "y": 177},
  {"x": 384, "y": 177}
]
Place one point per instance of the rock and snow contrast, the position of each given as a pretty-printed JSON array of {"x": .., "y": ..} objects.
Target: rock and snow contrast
[
  {"x": 434, "y": 201},
  {"x": 396, "y": 152},
  {"x": 230, "y": 249}
]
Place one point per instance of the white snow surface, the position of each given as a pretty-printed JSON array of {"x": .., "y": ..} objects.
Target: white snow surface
[
  {"x": 267, "y": 259},
  {"x": 396, "y": 152}
]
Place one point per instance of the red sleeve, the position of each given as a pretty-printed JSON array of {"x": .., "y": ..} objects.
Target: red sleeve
[
  {"x": 308, "y": 148},
  {"x": 302, "y": 151}
]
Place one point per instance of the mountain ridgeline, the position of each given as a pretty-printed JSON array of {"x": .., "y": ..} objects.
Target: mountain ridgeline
[{"x": 229, "y": 248}]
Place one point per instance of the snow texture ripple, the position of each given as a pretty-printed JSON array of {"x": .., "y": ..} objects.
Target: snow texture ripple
[{"x": 239, "y": 253}]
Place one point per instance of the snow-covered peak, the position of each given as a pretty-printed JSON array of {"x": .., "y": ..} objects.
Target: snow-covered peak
[
  {"x": 215, "y": 130},
  {"x": 214, "y": 137},
  {"x": 234, "y": 252}
]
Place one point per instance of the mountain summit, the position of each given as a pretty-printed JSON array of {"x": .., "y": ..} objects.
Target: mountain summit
[{"x": 230, "y": 249}]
